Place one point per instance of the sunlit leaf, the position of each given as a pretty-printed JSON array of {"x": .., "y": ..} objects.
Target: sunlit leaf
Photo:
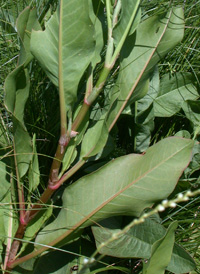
[
  {"x": 67, "y": 46},
  {"x": 125, "y": 186}
]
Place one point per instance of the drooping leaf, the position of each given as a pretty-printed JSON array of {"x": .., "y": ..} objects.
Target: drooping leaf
[
  {"x": 137, "y": 243},
  {"x": 192, "y": 112},
  {"x": 161, "y": 252},
  {"x": 26, "y": 21},
  {"x": 125, "y": 186},
  {"x": 145, "y": 111},
  {"x": 63, "y": 52},
  {"x": 17, "y": 91},
  {"x": 154, "y": 37},
  {"x": 143, "y": 136},
  {"x": 173, "y": 93},
  {"x": 144, "y": 114}
]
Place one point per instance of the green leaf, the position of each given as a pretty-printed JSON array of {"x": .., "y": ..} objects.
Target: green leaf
[
  {"x": 5, "y": 199},
  {"x": 173, "y": 93},
  {"x": 98, "y": 35},
  {"x": 137, "y": 243},
  {"x": 125, "y": 186},
  {"x": 62, "y": 261},
  {"x": 195, "y": 161},
  {"x": 69, "y": 157},
  {"x": 143, "y": 136},
  {"x": 67, "y": 46},
  {"x": 8, "y": 220},
  {"x": 34, "y": 171},
  {"x": 17, "y": 91},
  {"x": 141, "y": 52},
  {"x": 94, "y": 139},
  {"x": 161, "y": 252},
  {"x": 192, "y": 112},
  {"x": 129, "y": 19},
  {"x": 26, "y": 21},
  {"x": 181, "y": 261},
  {"x": 144, "y": 114}
]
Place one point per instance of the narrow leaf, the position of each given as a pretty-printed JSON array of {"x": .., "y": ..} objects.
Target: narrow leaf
[
  {"x": 161, "y": 252},
  {"x": 17, "y": 91},
  {"x": 129, "y": 19},
  {"x": 34, "y": 171},
  {"x": 94, "y": 139}
]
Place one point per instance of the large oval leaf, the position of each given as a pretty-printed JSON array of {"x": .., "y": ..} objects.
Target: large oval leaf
[
  {"x": 125, "y": 186},
  {"x": 63, "y": 52}
]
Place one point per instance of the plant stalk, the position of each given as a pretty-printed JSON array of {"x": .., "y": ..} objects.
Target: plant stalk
[
  {"x": 20, "y": 190},
  {"x": 54, "y": 182}
]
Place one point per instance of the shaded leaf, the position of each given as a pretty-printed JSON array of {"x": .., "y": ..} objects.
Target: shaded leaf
[
  {"x": 143, "y": 136},
  {"x": 26, "y": 21},
  {"x": 192, "y": 112},
  {"x": 98, "y": 35},
  {"x": 173, "y": 93},
  {"x": 35, "y": 225},
  {"x": 137, "y": 243},
  {"x": 69, "y": 157},
  {"x": 17, "y": 91},
  {"x": 144, "y": 114},
  {"x": 5, "y": 199},
  {"x": 34, "y": 171},
  {"x": 195, "y": 161},
  {"x": 161, "y": 252},
  {"x": 94, "y": 139}
]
